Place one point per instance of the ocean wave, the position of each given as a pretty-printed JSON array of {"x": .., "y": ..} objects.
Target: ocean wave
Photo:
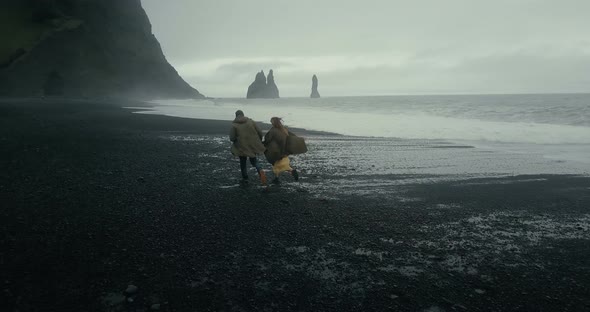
[{"x": 379, "y": 121}]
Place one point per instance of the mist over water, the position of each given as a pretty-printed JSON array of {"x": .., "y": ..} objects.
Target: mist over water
[{"x": 556, "y": 125}]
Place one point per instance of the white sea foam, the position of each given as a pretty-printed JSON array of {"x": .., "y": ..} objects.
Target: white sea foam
[{"x": 556, "y": 126}]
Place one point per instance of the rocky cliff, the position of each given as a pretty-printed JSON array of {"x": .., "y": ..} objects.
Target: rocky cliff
[
  {"x": 271, "y": 86},
  {"x": 257, "y": 88},
  {"x": 263, "y": 87},
  {"x": 314, "y": 87},
  {"x": 84, "y": 48}
]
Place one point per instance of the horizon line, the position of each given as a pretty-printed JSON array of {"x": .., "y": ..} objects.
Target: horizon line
[{"x": 408, "y": 94}]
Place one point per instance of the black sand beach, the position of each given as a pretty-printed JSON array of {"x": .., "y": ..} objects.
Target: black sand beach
[{"x": 95, "y": 198}]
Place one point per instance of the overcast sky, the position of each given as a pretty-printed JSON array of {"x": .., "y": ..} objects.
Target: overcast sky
[{"x": 377, "y": 47}]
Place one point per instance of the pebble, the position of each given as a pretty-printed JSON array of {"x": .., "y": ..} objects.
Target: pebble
[
  {"x": 113, "y": 299},
  {"x": 480, "y": 291},
  {"x": 155, "y": 307},
  {"x": 131, "y": 289}
]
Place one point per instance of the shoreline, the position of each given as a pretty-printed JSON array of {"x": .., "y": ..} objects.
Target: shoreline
[
  {"x": 543, "y": 138},
  {"x": 264, "y": 125},
  {"x": 96, "y": 198}
]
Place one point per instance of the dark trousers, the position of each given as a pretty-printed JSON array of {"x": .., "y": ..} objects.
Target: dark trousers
[{"x": 254, "y": 163}]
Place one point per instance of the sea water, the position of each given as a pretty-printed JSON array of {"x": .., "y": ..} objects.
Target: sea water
[{"x": 552, "y": 126}]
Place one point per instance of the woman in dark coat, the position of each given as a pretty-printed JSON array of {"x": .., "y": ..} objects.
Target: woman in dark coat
[{"x": 277, "y": 152}]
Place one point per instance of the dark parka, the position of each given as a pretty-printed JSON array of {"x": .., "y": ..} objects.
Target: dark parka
[
  {"x": 275, "y": 141},
  {"x": 246, "y": 137}
]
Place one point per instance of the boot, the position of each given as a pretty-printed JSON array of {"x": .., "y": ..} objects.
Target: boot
[
  {"x": 262, "y": 177},
  {"x": 295, "y": 174}
]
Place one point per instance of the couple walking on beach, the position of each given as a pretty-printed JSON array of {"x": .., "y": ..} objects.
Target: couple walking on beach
[{"x": 278, "y": 144}]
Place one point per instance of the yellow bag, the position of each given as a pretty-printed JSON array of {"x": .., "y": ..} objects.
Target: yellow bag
[{"x": 281, "y": 165}]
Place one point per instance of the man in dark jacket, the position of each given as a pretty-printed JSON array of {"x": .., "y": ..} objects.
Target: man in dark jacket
[{"x": 247, "y": 143}]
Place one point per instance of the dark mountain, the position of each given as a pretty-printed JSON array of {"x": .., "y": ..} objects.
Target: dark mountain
[{"x": 84, "y": 48}]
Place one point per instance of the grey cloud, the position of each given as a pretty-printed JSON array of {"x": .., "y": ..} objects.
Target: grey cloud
[
  {"x": 454, "y": 46},
  {"x": 251, "y": 67}
]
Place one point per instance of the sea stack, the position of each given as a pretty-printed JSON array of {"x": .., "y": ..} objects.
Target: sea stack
[
  {"x": 272, "y": 89},
  {"x": 257, "y": 88},
  {"x": 263, "y": 87},
  {"x": 91, "y": 48},
  {"x": 314, "y": 87}
]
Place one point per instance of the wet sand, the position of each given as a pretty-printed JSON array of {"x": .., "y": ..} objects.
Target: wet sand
[{"x": 96, "y": 198}]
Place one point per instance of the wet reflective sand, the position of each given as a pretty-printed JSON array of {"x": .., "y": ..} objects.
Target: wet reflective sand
[
  {"x": 433, "y": 215},
  {"x": 96, "y": 199}
]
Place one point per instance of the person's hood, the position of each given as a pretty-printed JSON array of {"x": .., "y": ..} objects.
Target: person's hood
[{"x": 241, "y": 119}]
